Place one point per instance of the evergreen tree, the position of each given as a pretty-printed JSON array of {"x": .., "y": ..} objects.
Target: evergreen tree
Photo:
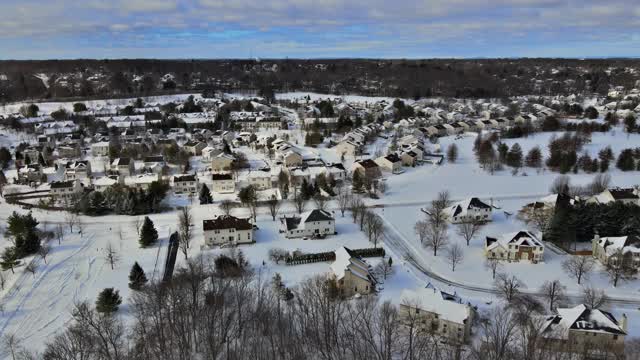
[
  {"x": 591, "y": 113},
  {"x": 356, "y": 181},
  {"x": 514, "y": 156},
  {"x": 108, "y": 301},
  {"x": 534, "y": 157},
  {"x": 148, "y": 233},
  {"x": 27, "y": 244},
  {"x": 205, "y": 195},
  {"x": 20, "y": 224},
  {"x": 137, "y": 277},
  {"x": 611, "y": 119},
  {"x": 503, "y": 150},
  {"x": 630, "y": 123},
  {"x": 9, "y": 260},
  {"x": 452, "y": 153},
  {"x": 626, "y": 161}
]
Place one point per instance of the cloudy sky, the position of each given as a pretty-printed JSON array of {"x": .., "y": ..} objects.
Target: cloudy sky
[{"x": 43, "y": 29}]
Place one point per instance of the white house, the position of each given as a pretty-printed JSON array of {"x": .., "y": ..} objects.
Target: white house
[
  {"x": 65, "y": 189},
  {"x": 438, "y": 312},
  {"x": 223, "y": 183},
  {"x": 311, "y": 223},
  {"x": 471, "y": 209},
  {"x": 103, "y": 183},
  {"x": 625, "y": 196},
  {"x": 227, "y": 229},
  {"x": 391, "y": 163},
  {"x": 124, "y": 166},
  {"x": 261, "y": 180},
  {"x": 77, "y": 170},
  {"x": 608, "y": 249},
  {"x": 516, "y": 246},
  {"x": 187, "y": 184},
  {"x": 351, "y": 274}
]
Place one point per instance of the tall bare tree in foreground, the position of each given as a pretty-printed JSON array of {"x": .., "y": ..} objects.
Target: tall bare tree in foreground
[
  {"x": 493, "y": 265},
  {"x": 579, "y": 267},
  {"x": 185, "y": 229},
  {"x": 436, "y": 227},
  {"x": 455, "y": 255},
  {"x": 594, "y": 298},
  {"x": 468, "y": 229},
  {"x": 553, "y": 292},
  {"x": 344, "y": 199},
  {"x": 111, "y": 255},
  {"x": 274, "y": 207},
  {"x": 508, "y": 286},
  {"x": 226, "y": 206}
]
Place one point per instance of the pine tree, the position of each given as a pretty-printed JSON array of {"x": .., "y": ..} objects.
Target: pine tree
[
  {"x": 108, "y": 301},
  {"x": 205, "y": 195},
  {"x": 27, "y": 244},
  {"x": 9, "y": 260},
  {"x": 626, "y": 162},
  {"x": 534, "y": 157},
  {"x": 503, "y": 150},
  {"x": 148, "y": 233},
  {"x": 452, "y": 153},
  {"x": 514, "y": 156},
  {"x": 137, "y": 277}
]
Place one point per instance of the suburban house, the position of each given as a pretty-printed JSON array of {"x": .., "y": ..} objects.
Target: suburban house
[
  {"x": 123, "y": 166},
  {"x": 438, "y": 312},
  {"x": 516, "y": 246},
  {"x": 585, "y": 331},
  {"x": 65, "y": 189},
  {"x": 194, "y": 148},
  {"x": 409, "y": 158},
  {"x": 103, "y": 183},
  {"x": 30, "y": 173},
  {"x": 187, "y": 184},
  {"x": 227, "y": 229},
  {"x": 261, "y": 180},
  {"x": 608, "y": 249},
  {"x": 351, "y": 274},
  {"x": 221, "y": 162},
  {"x": 625, "y": 196},
  {"x": 391, "y": 163},
  {"x": 223, "y": 183},
  {"x": 311, "y": 223},
  {"x": 471, "y": 209},
  {"x": 367, "y": 168},
  {"x": 347, "y": 148},
  {"x": 292, "y": 158},
  {"x": 77, "y": 170},
  {"x": 142, "y": 181},
  {"x": 154, "y": 164}
]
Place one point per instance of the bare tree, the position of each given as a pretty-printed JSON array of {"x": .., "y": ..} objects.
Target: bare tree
[
  {"x": 321, "y": 202},
  {"x": 578, "y": 267},
  {"x": 344, "y": 199},
  {"x": 356, "y": 205},
  {"x": 493, "y": 265},
  {"x": 274, "y": 207},
  {"x": 12, "y": 343},
  {"x": 31, "y": 268},
  {"x": 437, "y": 237},
  {"x": 620, "y": 267},
  {"x": 437, "y": 223},
  {"x": 185, "y": 232},
  {"x": 226, "y": 206},
  {"x": 111, "y": 255},
  {"x": 508, "y": 287},
  {"x": 384, "y": 268},
  {"x": 553, "y": 292},
  {"x": 59, "y": 233},
  {"x": 499, "y": 334},
  {"x": 71, "y": 219},
  {"x": 3, "y": 280},
  {"x": 420, "y": 228},
  {"x": 137, "y": 223},
  {"x": 44, "y": 250},
  {"x": 455, "y": 255},
  {"x": 600, "y": 183},
  {"x": 299, "y": 202},
  {"x": 468, "y": 229},
  {"x": 277, "y": 254},
  {"x": 593, "y": 298},
  {"x": 538, "y": 216}
]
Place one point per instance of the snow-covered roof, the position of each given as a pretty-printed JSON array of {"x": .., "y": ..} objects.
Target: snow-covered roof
[
  {"x": 518, "y": 238},
  {"x": 461, "y": 208},
  {"x": 624, "y": 243},
  {"x": 580, "y": 318},
  {"x": 436, "y": 301},
  {"x": 346, "y": 262}
]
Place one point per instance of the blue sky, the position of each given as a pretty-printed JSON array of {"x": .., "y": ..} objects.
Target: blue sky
[{"x": 38, "y": 29}]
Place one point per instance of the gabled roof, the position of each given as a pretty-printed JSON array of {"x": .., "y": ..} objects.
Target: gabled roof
[
  {"x": 346, "y": 261},
  {"x": 62, "y": 184},
  {"x": 462, "y": 207},
  {"x": 623, "y": 194},
  {"x": 448, "y": 307},
  {"x": 316, "y": 215},
  {"x": 519, "y": 238},
  {"x": 122, "y": 161},
  {"x": 226, "y": 222},
  {"x": 624, "y": 243},
  {"x": 580, "y": 318},
  {"x": 183, "y": 178},
  {"x": 215, "y": 177}
]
